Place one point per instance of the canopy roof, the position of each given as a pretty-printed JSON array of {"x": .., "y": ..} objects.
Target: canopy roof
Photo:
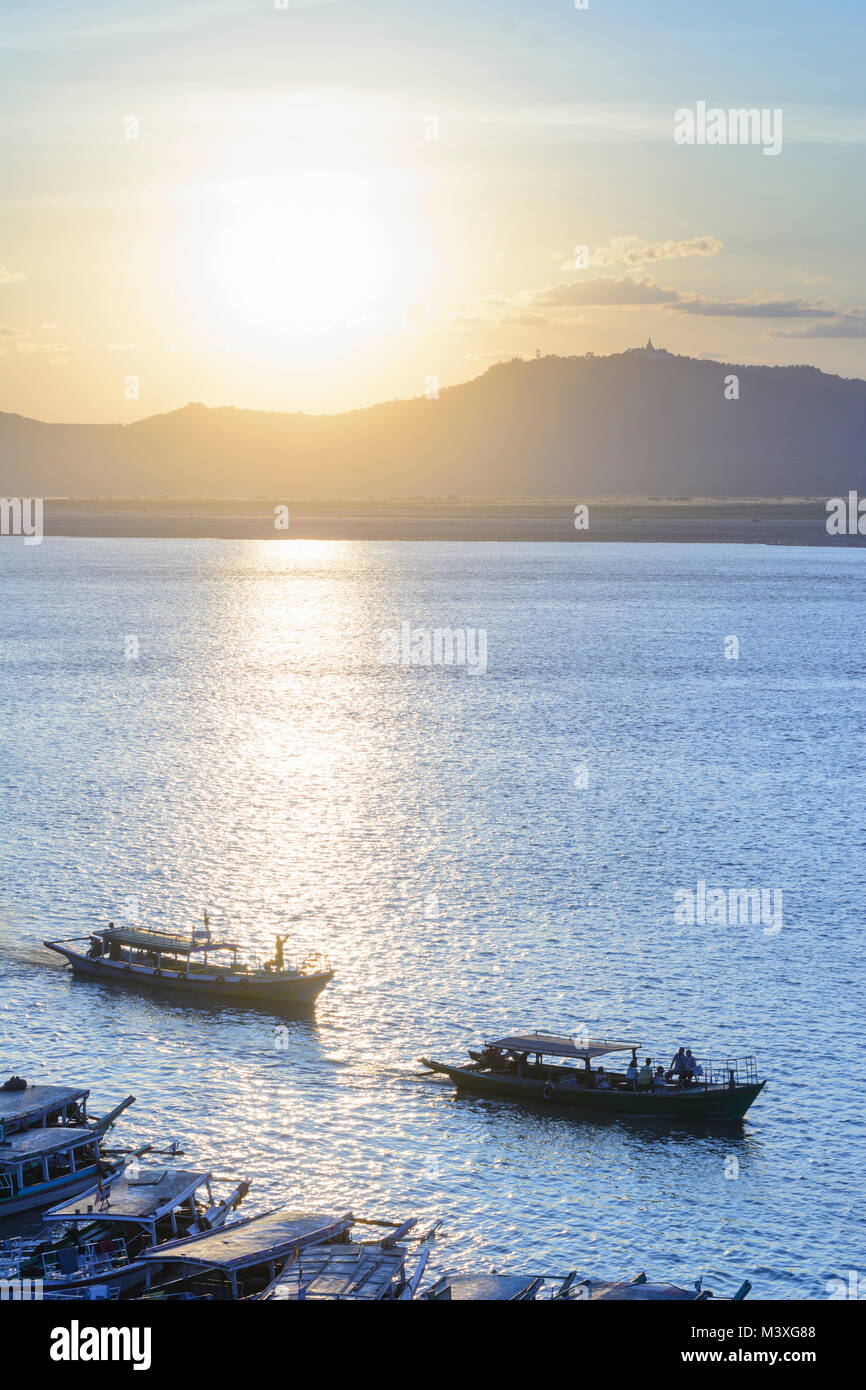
[
  {"x": 32, "y": 1143},
  {"x": 22, "y": 1107},
  {"x": 491, "y": 1288},
  {"x": 254, "y": 1240},
  {"x": 551, "y": 1045},
  {"x": 153, "y": 1193},
  {"x": 147, "y": 940}
]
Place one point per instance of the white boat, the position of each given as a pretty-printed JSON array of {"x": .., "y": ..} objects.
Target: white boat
[{"x": 195, "y": 966}]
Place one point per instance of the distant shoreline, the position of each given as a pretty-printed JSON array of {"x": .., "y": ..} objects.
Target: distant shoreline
[{"x": 732, "y": 521}]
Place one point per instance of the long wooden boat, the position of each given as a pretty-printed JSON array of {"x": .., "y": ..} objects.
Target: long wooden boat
[
  {"x": 194, "y": 966},
  {"x": 242, "y": 1259},
  {"x": 517, "y": 1068},
  {"x": 347, "y": 1271},
  {"x": 522, "y": 1288},
  {"x": 46, "y": 1164},
  {"x": 96, "y": 1240}
]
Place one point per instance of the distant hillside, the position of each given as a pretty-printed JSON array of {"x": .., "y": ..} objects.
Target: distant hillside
[{"x": 635, "y": 424}]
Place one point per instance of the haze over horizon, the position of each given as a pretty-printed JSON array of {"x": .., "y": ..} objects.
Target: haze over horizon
[{"x": 218, "y": 203}]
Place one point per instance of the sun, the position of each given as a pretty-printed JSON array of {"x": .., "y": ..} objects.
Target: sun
[{"x": 299, "y": 255}]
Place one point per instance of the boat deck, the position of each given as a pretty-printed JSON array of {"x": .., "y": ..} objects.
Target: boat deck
[
  {"x": 142, "y": 1198},
  {"x": 341, "y": 1272}
]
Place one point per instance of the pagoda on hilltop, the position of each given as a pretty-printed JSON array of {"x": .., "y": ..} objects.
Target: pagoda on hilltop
[{"x": 651, "y": 350}]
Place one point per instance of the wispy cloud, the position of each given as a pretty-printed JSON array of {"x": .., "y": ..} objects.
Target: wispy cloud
[
  {"x": 755, "y": 306},
  {"x": 637, "y": 251},
  {"x": 851, "y": 324}
]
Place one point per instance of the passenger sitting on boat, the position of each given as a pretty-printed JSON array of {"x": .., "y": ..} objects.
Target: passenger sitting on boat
[
  {"x": 659, "y": 1082},
  {"x": 645, "y": 1075},
  {"x": 602, "y": 1080},
  {"x": 631, "y": 1073},
  {"x": 693, "y": 1068}
]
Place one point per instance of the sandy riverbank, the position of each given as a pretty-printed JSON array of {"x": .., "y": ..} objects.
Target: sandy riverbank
[{"x": 790, "y": 522}]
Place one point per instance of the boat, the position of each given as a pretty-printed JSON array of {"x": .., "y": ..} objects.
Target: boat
[
  {"x": 485, "y": 1288},
  {"x": 723, "y": 1090},
  {"x": 242, "y": 1259},
  {"x": 347, "y": 1271},
  {"x": 195, "y": 965},
  {"x": 96, "y": 1240},
  {"x": 44, "y": 1164},
  {"x": 638, "y": 1290},
  {"x": 523, "y": 1288},
  {"x": 25, "y": 1107}
]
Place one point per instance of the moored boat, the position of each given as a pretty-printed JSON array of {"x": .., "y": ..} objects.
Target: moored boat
[
  {"x": 195, "y": 966},
  {"x": 97, "y": 1239},
  {"x": 351, "y": 1271},
  {"x": 518, "y": 1067},
  {"x": 23, "y": 1106},
  {"x": 42, "y": 1165},
  {"x": 243, "y": 1258}
]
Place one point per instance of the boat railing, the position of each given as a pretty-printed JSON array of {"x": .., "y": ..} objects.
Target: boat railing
[
  {"x": 305, "y": 963},
  {"x": 10, "y": 1257},
  {"x": 727, "y": 1071}
]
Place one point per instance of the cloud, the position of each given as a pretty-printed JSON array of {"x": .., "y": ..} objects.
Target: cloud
[
  {"x": 607, "y": 291},
  {"x": 851, "y": 324},
  {"x": 12, "y": 332},
  {"x": 757, "y": 305},
  {"x": 8, "y": 277},
  {"x": 634, "y": 251}
]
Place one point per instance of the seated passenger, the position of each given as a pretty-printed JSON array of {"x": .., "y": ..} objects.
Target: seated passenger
[
  {"x": 602, "y": 1080},
  {"x": 693, "y": 1068},
  {"x": 645, "y": 1075},
  {"x": 631, "y": 1074},
  {"x": 659, "y": 1082}
]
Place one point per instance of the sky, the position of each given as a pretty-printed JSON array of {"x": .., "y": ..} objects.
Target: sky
[{"x": 320, "y": 204}]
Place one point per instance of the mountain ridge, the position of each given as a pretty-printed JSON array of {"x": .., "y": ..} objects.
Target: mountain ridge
[{"x": 634, "y": 424}]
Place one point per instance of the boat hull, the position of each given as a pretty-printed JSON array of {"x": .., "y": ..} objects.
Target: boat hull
[
  {"x": 694, "y": 1103},
  {"x": 297, "y": 990}
]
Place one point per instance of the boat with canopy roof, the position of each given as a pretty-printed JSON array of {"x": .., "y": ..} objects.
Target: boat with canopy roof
[
  {"x": 195, "y": 965},
  {"x": 519, "y": 1067},
  {"x": 95, "y": 1241}
]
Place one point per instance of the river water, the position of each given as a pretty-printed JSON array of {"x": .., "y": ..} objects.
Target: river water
[{"x": 209, "y": 724}]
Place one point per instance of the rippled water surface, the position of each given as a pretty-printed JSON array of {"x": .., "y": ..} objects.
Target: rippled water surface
[{"x": 428, "y": 828}]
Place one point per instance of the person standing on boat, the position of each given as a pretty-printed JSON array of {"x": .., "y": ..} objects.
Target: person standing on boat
[
  {"x": 278, "y": 952},
  {"x": 631, "y": 1072},
  {"x": 207, "y": 924},
  {"x": 677, "y": 1068}
]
